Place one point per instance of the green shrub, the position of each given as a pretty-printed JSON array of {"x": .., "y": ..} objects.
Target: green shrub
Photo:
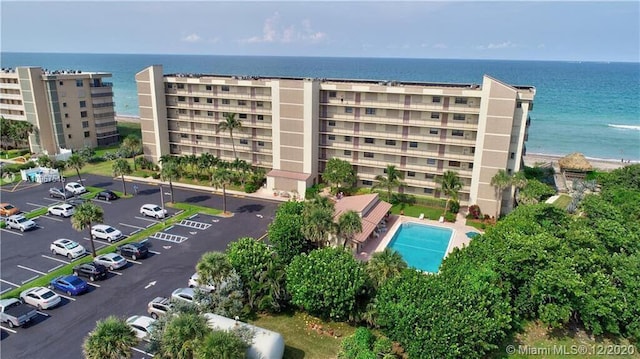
[
  {"x": 312, "y": 191},
  {"x": 156, "y": 175},
  {"x": 250, "y": 187},
  {"x": 475, "y": 212},
  {"x": 450, "y": 217},
  {"x": 454, "y": 206},
  {"x": 95, "y": 159}
]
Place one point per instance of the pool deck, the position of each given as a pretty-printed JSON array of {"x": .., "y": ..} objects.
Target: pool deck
[{"x": 459, "y": 239}]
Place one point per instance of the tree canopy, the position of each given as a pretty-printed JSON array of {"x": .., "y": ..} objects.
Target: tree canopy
[{"x": 339, "y": 173}]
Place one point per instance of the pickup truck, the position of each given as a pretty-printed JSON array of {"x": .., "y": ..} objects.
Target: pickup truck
[{"x": 15, "y": 313}]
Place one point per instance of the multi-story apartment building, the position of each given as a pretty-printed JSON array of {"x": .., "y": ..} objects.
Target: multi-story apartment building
[
  {"x": 293, "y": 126},
  {"x": 68, "y": 109}
]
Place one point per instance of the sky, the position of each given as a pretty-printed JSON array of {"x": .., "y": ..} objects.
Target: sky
[{"x": 515, "y": 30}]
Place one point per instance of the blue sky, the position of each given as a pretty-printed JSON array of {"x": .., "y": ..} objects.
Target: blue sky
[{"x": 520, "y": 30}]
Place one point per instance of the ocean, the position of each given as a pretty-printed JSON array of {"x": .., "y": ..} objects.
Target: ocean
[{"x": 588, "y": 107}]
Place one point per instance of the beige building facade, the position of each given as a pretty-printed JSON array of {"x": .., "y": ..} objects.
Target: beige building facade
[
  {"x": 68, "y": 109},
  {"x": 293, "y": 126}
]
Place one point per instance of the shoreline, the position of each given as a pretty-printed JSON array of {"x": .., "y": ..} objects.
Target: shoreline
[{"x": 530, "y": 159}]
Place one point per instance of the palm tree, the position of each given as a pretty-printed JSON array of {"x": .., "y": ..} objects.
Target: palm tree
[
  {"x": 349, "y": 224},
  {"x": 60, "y": 165},
  {"x": 450, "y": 185},
  {"x": 133, "y": 144},
  {"x": 519, "y": 181},
  {"x": 212, "y": 267},
  {"x": 385, "y": 265},
  {"x": 21, "y": 131},
  {"x": 76, "y": 162},
  {"x": 221, "y": 344},
  {"x": 44, "y": 161},
  {"x": 500, "y": 181},
  {"x": 230, "y": 123},
  {"x": 317, "y": 220},
  {"x": 391, "y": 180},
  {"x": 169, "y": 172},
  {"x": 121, "y": 168},
  {"x": 182, "y": 334},
  {"x": 83, "y": 216},
  {"x": 221, "y": 178},
  {"x": 111, "y": 339}
]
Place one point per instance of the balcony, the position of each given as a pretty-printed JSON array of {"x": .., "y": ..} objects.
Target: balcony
[
  {"x": 9, "y": 85},
  {"x": 100, "y": 84}
]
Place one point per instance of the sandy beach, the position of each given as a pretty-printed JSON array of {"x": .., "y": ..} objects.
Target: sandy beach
[{"x": 602, "y": 164}]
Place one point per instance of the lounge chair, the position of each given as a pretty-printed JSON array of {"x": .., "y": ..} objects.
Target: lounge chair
[{"x": 421, "y": 216}]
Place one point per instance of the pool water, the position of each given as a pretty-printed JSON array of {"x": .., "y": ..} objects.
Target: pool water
[{"x": 423, "y": 247}]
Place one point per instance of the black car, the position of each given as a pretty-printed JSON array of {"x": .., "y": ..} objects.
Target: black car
[
  {"x": 90, "y": 270},
  {"x": 55, "y": 192},
  {"x": 133, "y": 250},
  {"x": 106, "y": 195}
]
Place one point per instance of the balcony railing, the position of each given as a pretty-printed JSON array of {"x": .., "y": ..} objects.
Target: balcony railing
[{"x": 101, "y": 84}]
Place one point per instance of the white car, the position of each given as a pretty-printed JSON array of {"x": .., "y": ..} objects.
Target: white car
[
  {"x": 142, "y": 326},
  {"x": 18, "y": 221},
  {"x": 40, "y": 297},
  {"x": 194, "y": 282},
  {"x": 184, "y": 294},
  {"x": 75, "y": 188},
  {"x": 153, "y": 210},
  {"x": 111, "y": 260},
  {"x": 108, "y": 233},
  {"x": 63, "y": 210},
  {"x": 68, "y": 248}
]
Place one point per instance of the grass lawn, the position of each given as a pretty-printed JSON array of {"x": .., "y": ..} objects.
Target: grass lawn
[
  {"x": 191, "y": 207},
  {"x": 129, "y": 128},
  {"x": 302, "y": 341},
  {"x": 415, "y": 211},
  {"x": 562, "y": 202},
  {"x": 475, "y": 224},
  {"x": 104, "y": 168},
  {"x": 537, "y": 336}
]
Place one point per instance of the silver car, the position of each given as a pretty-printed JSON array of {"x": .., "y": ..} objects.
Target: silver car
[
  {"x": 67, "y": 247},
  {"x": 40, "y": 297},
  {"x": 111, "y": 260},
  {"x": 185, "y": 295}
]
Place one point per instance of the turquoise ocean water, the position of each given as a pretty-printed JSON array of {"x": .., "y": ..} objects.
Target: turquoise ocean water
[{"x": 588, "y": 107}]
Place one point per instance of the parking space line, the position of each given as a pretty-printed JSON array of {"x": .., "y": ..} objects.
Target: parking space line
[
  {"x": 134, "y": 232},
  {"x": 154, "y": 252},
  {"x": 100, "y": 246},
  {"x": 151, "y": 224},
  {"x": 101, "y": 201},
  {"x": 9, "y": 330},
  {"x": 118, "y": 273},
  {"x": 132, "y": 261},
  {"x": 7, "y": 282},
  {"x": 93, "y": 284},
  {"x": 12, "y": 232},
  {"x": 130, "y": 225},
  {"x": 41, "y": 313},
  {"x": 51, "y": 199},
  {"x": 65, "y": 297},
  {"x": 51, "y": 218},
  {"x": 33, "y": 270},
  {"x": 54, "y": 268},
  {"x": 56, "y": 259},
  {"x": 147, "y": 219},
  {"x": 141, "y": 352},
  {"x": 6, "y": 290},
  {"x": 29, "y": 280},
  {"x": 35, "y": 205}
]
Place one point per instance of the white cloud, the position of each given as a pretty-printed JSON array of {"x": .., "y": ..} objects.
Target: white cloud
[
  {"x": 274, "y": 32},
  {"x": 191, "y": 38},
  {"x": 500, "y": 45}
]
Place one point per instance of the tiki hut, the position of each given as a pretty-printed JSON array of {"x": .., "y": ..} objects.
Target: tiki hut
[{"x": 575, "y": 165}]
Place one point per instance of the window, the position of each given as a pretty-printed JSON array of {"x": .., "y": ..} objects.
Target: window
[
  {"x": 332, "y": 94},
  {"x": 454, "y": 164},
  {"x": 413, "y": 144},
  {"x": 180, "y": 86},
  {"x": 210, "y": 113},
  {"x": 368, "y": 154},
  {"x": 429, "y": 176},
  {"x": 259, "y": 104},
  {"x": 85, "y": 124},
  {"x": 518, "y": 104},
  {"x": 226, "y": 101},
  {"x": 87, "y": 134},
  {"x": 332, "y": 123},
  {"x": 184, "y": 135},
  {"x": 509, "y": 171},
  {"x": 83, "y": 104},
  {"x": 459, "y": 133},
  {"x": 242, "y": 115},
  {"x": 458, "y": 117},
  {"x": 225, "y": 88},
  {"x": 79, "y": 84},
  {"x": 64, "y": 104},
  {"x": 68, "y": 125},
  {"x": 242, "y": 103},
  {"x": 260, "y": 117},
  {"x": 182, "y": 111},
  {"x": 244, "y": 142},
  {"x": 209, "y": 100},
  {"x": 69, "y": 136},
  {"x": 208, "y": 87},
  {"x": 332, "y": 137},
  {"x": 367, "y": 183},
  {"x": 435, "y": 115},
  {"x": 369, "y": 140},
  {"x": 198, "y": 137},
  {"x": 431, "y": 161},
  {"x": 66, "y": 115},
  {"x": 347, "y": 152},
  {"x": 61, "y": 83},
  {"x": 433, "y": 131},
  {"x": 411, "y": 174},
  {"x": 348, "y": 110},
  {"x": 512, "y": 155},
  {"x": 261, "y": 143},
  {"x": 181, "y": 98},
  {"x": 461, "y": 100},
  {"x": 427, "y": 190},
  {"x": 390, "y": 142},
  {"x": 169, "y": 86},
  {"x": 83, "y": 114},
  {"x": 196, "y": 112},
  {"x": 196, "y": 99},
  {"x": 370, "y": 111},
  {"x": 347, "y": 138},
  {"x": 470, "y": 166},
  {"x": 436, "y": 99}
]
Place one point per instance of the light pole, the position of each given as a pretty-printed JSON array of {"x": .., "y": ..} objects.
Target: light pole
[{"x": 162, "y": 197}]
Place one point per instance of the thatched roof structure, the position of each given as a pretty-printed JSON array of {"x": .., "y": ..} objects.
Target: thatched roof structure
[{"x": 575, "y": 162}]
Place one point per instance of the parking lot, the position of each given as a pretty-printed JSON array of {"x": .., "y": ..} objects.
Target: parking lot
[{"x": 59, "y": 332}]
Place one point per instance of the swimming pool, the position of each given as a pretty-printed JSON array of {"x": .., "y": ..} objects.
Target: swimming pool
[{"x": 422, "y": 246}]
